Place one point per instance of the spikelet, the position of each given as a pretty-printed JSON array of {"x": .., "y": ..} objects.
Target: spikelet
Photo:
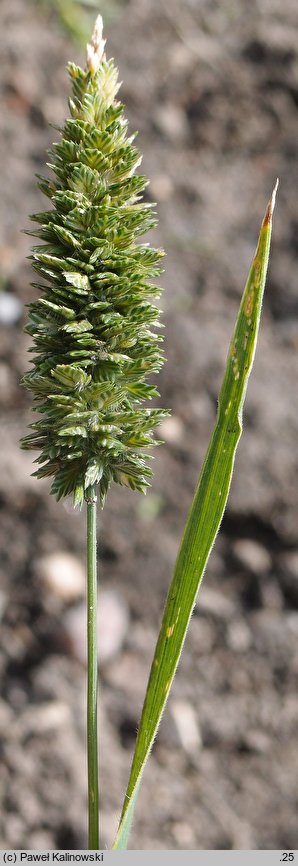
[{"x": 93, "y": 326}]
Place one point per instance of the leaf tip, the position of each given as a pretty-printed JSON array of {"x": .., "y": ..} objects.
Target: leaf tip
[{"x": 270, "y": 207}]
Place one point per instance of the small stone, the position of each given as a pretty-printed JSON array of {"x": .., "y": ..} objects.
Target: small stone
[
  {"x": 47, "y": 717},
  {"x": 211, "y": 601},
  {"x": 252, "y": 555},
  {"x": 239, "y": 637},
  {"x": 184, "y": 835},
  {"x": 15, "y": 830},
  {"x": 186, "y": 723},
  {"x": 30, "y": 809},
  {"x": 113, "y": 622},
  {"x": 10, "y": 309},
  {"x": 63, "y": 575},
  {"x": 75, "y": 632},
  {"x": 257, "y": 741},
  {"x": 52, "y": 716},
  {"x": 172, "y": 430},
  {"x": 171, "y": 121},
  {"x": 40, "y": 840},
  {"x": 292, "y": 623},
  {"x": 289, "y": 577}
]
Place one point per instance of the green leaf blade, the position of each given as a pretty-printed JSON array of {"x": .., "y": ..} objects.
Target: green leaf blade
[{"x": 204, "y": 519}]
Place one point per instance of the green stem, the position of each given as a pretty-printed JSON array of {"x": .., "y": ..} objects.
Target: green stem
[{"x": 93, "y": 796}]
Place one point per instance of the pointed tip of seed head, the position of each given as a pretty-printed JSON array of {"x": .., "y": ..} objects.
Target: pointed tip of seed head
[
  {"x": 270, "y": 207},
  {"x": 95, "y": 48}
]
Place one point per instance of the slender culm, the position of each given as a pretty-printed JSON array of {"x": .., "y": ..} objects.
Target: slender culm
[
  {"x": 92, "y": 684},
  {"x": 94, "y": 324}
]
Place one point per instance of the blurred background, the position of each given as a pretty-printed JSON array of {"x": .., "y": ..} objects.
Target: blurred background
[{"x": 212, "y": 87}]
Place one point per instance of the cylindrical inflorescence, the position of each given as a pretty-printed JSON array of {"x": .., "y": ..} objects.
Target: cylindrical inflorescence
[{"x": 93, "y": 343}]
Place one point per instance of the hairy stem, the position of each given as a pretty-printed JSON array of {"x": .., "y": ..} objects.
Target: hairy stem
[{"x": 93, "y": 795}]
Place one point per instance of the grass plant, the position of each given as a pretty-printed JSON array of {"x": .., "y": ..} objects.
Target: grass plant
[{"x": 94, "y": 327}]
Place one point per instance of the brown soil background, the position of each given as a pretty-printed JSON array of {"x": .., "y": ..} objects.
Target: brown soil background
[{"x": 212, "y": 88}]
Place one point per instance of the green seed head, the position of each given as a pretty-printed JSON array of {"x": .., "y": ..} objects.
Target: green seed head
[{"x": 94, "y": 324}]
